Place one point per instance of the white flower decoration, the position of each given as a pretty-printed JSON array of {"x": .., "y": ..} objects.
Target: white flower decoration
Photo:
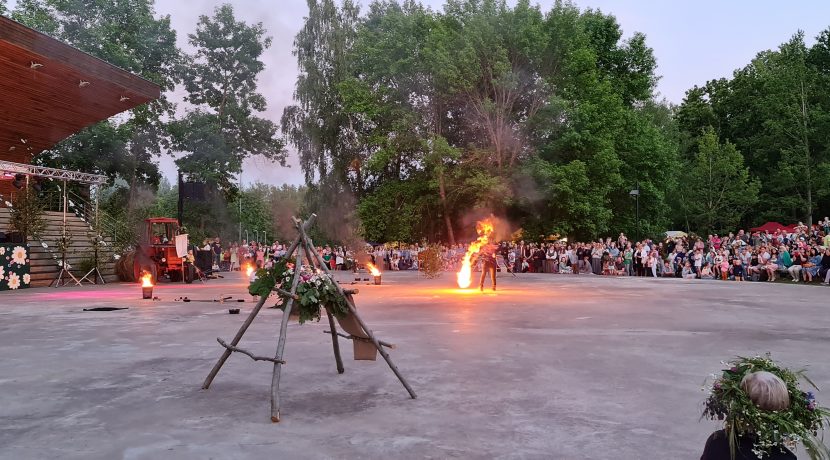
[
  {"x": 27, "y": 278},
  {"x": 2, "y": 250},
  {"x": 19, "y": 255},
  {"x": 14, "y": 281}
]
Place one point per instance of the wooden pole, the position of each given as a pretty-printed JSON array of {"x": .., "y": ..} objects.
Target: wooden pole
[
  {"x": 351, "y": 337},
  {"x": 353, "y": 310},
  {"x": 234, "y": 342},
  {"x": 227, "y": 353},
  {"x": 335, "y": 343},
  {"x": 275, "y": 377}
]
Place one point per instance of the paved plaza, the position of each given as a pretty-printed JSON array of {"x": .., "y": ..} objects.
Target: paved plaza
[{"x": 549, "y": 366}]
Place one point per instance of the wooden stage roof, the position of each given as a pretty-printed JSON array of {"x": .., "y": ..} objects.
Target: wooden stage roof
[{"x": 50, "y": 90}]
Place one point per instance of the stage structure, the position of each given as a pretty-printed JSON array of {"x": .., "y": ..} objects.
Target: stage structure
[
  {"x": 53, "y": 90},
  {"x": 303, "y": 251}
]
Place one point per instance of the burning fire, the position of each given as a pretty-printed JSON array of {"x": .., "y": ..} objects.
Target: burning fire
[
  {"x": 372, "y": 269},
  {"x": 249, "y": 271},
  {"x": 146, "y": 280},
  {"x": 484, "y": 228}
]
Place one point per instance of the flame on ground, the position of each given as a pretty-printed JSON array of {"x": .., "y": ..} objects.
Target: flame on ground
[
  {"x": 484, "y": 228},
  {"x": 249, "y": 271},
  {"x": 147, "y": 280},
  {"x": 372, "y": 269}
]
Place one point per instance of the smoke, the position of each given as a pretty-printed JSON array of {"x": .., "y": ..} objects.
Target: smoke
[
  {"x": 502, "y": 228},
  {"x": 284, "y": 211},
  {"x": 336, "y": 209}
]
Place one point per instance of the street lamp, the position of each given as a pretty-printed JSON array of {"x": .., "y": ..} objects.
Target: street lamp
[{"x": 636, "y": 194}]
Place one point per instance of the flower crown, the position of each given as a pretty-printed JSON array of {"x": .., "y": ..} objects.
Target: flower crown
[{"x": 800, "y": 422}]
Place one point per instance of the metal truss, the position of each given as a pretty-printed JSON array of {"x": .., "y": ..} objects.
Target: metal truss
[{"x": 52, "y": 173}]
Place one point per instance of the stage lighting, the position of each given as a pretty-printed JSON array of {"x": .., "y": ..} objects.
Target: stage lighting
[{"x": 19, "y": 181}]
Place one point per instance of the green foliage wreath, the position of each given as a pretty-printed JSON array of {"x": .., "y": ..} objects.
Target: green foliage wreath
[
  {"x": 801, "y": 422},
  {"x": 314, "y": 289}
]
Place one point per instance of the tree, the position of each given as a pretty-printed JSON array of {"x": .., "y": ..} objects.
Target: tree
[
  {"x": 717, "y": 186},
  {"x": 775, "y": 110},
  {"x": 221, "y": 82},
  {"x": 317, "y": 126},
  {"x": 26, "y": 216},
  {"x": 433, "y": 116}
]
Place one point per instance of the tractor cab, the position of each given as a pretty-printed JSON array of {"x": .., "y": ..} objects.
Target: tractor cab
[{"x": 156, "y": 253}]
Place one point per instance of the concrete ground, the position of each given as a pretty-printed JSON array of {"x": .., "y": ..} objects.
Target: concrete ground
[{"x": 549, "y": 366}]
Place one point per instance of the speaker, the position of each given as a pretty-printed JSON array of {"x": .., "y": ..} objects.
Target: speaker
[{"x": 194, "y": 191}]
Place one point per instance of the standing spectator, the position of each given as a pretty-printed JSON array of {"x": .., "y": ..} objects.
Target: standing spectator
[
  {"x": 234, "y": 257},
  {"x": 628, "y": 258},
  {"x": 824, "y": 270}
]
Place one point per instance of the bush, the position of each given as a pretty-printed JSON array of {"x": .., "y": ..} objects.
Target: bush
[{"x": 430, "y": 261}]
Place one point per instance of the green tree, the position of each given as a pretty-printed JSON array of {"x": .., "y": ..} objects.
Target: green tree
[
  {"x": 428, "y": 116},
  {"x": 776, "y": 111},
  {"x": 221, "y": 82},
  {"x": 256, "y": 214},
  {"x": 317, "y": 126},
  {"x": 717, "y": 187}
]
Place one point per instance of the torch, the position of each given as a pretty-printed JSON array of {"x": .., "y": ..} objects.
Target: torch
[
  {"x": 374, "y": 271},
  {"x": 147, "y": 286}
]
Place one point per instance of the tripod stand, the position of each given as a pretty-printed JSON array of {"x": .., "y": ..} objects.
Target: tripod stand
[
  {"x": 97, "y": 240},
  {"x": 64, "y": 243}
]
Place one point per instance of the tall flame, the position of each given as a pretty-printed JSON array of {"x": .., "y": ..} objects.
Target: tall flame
[
  {"x": 372, "y": 269},
  {"x": 146, "y": 280},
  {"x": 484, "y": 228},
  {"x": 249, "y": 271}
]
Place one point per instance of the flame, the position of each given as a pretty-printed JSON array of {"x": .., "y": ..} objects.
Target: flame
[
  {"x": 372, "y": 269},
  {"x": 484, "y": 228},
  {"x": 146, "y": 280},
  {"x": 249, "y": 271}
]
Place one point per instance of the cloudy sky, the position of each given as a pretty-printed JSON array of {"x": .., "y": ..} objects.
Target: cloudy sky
[{"x": 694, "y": 41}]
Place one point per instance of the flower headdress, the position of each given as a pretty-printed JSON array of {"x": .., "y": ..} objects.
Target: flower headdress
[{"x": 800, "y": 422}]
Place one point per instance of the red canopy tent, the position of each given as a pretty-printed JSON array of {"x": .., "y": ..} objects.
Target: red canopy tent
[{"x": 768, "y": 227}]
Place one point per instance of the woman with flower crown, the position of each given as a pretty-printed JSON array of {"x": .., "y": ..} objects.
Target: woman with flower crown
[{"x": 764, "y": 414}]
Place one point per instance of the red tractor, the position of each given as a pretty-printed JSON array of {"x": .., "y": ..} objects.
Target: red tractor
[{"x": 156, "y": 253}]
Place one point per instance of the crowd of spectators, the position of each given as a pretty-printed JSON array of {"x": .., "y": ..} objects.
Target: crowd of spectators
[{"x": 801, "y": 254}]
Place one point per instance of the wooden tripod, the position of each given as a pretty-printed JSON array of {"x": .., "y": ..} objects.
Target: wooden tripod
[{"x": 304, "y": 249}]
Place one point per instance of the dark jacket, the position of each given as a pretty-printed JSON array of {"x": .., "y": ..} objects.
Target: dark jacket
[{"x": 717, "y": 448}]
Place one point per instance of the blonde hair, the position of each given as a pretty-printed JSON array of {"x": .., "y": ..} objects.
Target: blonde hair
[{"x": 766, "y": 390}]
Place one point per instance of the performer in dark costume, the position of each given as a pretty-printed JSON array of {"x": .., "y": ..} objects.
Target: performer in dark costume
[{"x": 488, "y": 264}]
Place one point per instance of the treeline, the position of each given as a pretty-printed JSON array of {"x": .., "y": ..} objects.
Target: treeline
[
  {"x": 549, "y": 118},
  {"x": 410, "y": 122}
]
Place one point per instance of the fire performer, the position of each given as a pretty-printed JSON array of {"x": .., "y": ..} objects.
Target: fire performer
[{"x": 487, "y": 255}]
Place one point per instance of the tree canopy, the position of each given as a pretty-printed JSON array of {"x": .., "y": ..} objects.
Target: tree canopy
[{"x": 409, "y": 122}]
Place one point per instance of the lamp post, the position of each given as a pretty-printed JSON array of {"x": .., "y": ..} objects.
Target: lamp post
[
  {"x": 240, "y": 206},
  {"x": 636, "y": 194}
]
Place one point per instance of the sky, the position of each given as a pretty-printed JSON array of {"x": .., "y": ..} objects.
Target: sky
[{"x": 693, "y": 42}]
